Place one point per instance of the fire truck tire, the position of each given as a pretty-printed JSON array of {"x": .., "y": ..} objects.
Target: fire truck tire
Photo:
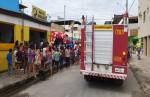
[
  {"x": 119, "y": 82},
  {"x": 87, "y": 78}
]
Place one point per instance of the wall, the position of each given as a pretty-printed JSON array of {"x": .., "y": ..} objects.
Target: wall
[
  {"x": 133, "y": 26},
  {"x": 144, "y": 27},
  {"x": 12, "y": 5},
  {"x": 57, "y": 28}
]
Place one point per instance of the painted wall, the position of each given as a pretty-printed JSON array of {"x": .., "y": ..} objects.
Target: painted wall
[
  {"x": 12, "y": 5},
  {"x": 15, "y": 20},
  {"x": 17, "y": 35}
]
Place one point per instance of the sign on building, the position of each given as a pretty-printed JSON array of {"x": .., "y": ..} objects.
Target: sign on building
[{"x": 39, "y": 13}]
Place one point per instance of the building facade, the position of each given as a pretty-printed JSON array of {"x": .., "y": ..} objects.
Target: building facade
[
  {"x": 16, "y": 26},
  {"x": 144, "y": 25},
  {"x": 133, "y": 26}
]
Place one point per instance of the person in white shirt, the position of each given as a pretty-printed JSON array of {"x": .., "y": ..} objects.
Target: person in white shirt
[{"x": 67, "y": 56}]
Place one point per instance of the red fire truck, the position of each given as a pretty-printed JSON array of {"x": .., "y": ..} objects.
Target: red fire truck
[{"x": 104, "y": 50}]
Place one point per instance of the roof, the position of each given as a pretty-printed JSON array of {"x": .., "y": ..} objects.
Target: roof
[
  {"x": 21, "y": 6},
  {"x": 67, "y": 22},
  {"x": 25, "y": 16},
  {"x": 117, "y": 19}
]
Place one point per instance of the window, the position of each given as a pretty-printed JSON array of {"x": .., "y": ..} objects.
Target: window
[
  {"x": 147, "y": 10},
  {"x": 144, "y": 16},
  {"x": 75, "y": 28},
  {"x": 6, "y": 33}
]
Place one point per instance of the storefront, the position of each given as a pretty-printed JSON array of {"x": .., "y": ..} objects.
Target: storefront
[
  {"x": 12, "y": 29},
  {"x": 36, "y": 36}
]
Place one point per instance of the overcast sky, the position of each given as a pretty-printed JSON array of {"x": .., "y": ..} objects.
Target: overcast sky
[{"x": 101, "y": 9}]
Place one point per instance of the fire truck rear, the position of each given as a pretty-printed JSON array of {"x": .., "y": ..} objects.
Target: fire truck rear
[{"x": 104, "y": 50}]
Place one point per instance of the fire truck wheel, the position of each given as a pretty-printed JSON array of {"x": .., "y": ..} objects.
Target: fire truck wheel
[
  {"x": 87, "y": 78},
  {"x": 119, "y": 82}
]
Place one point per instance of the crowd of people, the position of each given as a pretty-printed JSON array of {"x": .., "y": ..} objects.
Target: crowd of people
[{"x": 32, "y": 57}]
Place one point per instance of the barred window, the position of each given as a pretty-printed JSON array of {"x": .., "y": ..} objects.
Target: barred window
[{"x": 6, "y": 33}]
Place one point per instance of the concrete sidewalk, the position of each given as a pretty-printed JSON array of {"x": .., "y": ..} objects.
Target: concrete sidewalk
[
  {"x": 6, "y": 80},
  {"x": 141, "y": 70},
  {"x": 9, "y": 83}
]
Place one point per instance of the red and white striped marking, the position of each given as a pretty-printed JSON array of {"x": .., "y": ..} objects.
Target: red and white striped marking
[{"x": 108, "y": 75}]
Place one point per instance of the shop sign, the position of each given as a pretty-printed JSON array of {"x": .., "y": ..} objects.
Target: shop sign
[{"x": 39, "y": 13}]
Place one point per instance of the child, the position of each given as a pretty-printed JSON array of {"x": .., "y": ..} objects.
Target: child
[
  {"x": 57, "y": 58},
  {"x": 9, "y": 60}
]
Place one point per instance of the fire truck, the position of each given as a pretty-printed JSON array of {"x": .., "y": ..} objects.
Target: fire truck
[{"x": 104, "y": 51}]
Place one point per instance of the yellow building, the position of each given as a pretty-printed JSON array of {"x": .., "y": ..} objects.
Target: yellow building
[{"x": 16, "y": 26}]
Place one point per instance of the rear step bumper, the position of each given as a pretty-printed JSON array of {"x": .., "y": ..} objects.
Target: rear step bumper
[{"x": 105, "y": 75}]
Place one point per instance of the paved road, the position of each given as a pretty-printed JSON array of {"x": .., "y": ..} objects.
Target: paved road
[{"x": 69, "y": 83}]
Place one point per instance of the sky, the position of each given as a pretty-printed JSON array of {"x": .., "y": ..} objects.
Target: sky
[{"x": 102, "y": 10}]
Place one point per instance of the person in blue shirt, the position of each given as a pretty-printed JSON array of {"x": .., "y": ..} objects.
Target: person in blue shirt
[{"x": 10, "y": 63}]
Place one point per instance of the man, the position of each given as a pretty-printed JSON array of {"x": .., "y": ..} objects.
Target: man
[
  {"x": 9, "y": 60},
  {"x": 67, "y": 56},
  {"x": 138, "y": 48}
]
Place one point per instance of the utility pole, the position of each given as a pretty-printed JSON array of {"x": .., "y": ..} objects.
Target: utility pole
[
  {"x": 22, "y": 27},
  {"x": 126, "y": 14},
  {"x": 64, "y": 16}
]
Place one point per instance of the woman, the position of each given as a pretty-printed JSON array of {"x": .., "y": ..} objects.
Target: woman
[
  {"x": 62, "y": 56},
  {"x": 49, "y": 60},
  {"x": 15, "y": 58},
  {"x": 31, "y": 58},
  {"x": 37, "y": 63}
]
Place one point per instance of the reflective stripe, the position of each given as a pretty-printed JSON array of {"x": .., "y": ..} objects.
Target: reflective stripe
[{"x": 113, "y": 76}]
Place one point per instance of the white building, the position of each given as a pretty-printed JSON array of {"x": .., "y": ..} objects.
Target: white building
[{"x": 144, "y": 25}]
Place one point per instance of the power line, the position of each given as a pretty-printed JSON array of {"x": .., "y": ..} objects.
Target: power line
[{"x": 131, "y": 5}]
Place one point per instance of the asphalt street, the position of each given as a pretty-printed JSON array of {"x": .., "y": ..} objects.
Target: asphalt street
[{"x": 70, "y": 83}]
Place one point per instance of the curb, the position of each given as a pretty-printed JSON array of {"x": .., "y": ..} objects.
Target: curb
[{"x": 11, "y": 89}]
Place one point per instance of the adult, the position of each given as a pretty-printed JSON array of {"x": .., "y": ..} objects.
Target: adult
[
  {"x": 31, "y": 57},
  {"x": 16, "y": 44},
  {"x": 138, "y": 48},
  {"x": 62, "y": 57},
  {"x": 72, "y": 55},
  {"x": 15, "y": 58},
  {"x": 19, "y": 56},
  {"x": 67, "y": 56},
  {"x": 49, "y": 60}
]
